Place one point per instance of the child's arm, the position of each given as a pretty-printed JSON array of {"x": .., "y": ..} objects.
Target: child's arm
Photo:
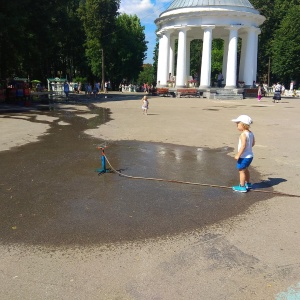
[
  {"x": 243, "y": 146},
  {"x": 253, "y": 141}
]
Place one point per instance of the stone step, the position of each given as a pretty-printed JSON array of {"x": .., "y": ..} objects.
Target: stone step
[
  {"x": 225, "y": 91},
  {"x": 228, "y": 97}
]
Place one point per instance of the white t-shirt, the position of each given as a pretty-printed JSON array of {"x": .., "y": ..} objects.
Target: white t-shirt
[{"x": 248, "y": 153}]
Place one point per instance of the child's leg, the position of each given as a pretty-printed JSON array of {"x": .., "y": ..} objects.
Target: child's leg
[
  {"x": 242, "y": 176},
  {"x": 247, "y": 175}
]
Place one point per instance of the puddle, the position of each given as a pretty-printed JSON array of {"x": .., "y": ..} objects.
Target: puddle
[{"x": 52, "y": 195}]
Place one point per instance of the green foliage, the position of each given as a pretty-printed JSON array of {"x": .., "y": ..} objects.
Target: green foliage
[
  {"x": 275, "y": 12},
  {"x": 155, "y": 58},
  {"x": 216, "y": 57},
  {"x": 146, "y": 75},
  {"x": 196, "y": 57},
  {"x": 66, "y": 38},
  {"x": 99, "y": 22},
  {"x": 128, "y": 49},
  {"x": 286, "y": 47},
  {"x": 195, "y": 54},
  {"x": 80, "y": 79},
  {"x": 45, "y": 41}
]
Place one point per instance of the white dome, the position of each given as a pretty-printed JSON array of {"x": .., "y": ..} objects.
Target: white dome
[
  {"x": 203, "y": 12},
  {"x": 208, "y": 3}
]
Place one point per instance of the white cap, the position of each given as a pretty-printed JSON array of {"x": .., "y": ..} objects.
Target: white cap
[{"x": 244, "y": 119}]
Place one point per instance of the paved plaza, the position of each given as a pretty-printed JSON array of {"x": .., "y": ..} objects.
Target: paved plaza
[{"x": 249, "y": 255}]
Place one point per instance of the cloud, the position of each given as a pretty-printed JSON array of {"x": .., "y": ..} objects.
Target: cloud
[{"x": 147, "y": 11}]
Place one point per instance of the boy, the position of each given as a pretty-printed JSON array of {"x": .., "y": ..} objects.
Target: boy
[{"x": 244, "y": 156}]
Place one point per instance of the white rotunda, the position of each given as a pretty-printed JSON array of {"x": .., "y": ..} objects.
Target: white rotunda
[{"x": 186, "y": 20}]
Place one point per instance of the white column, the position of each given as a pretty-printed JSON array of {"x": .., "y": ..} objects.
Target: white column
[
  {"x": 206, "y": 56},
  {"x": 181, "y": 58},
  {"x": 243, "y": 57},
  {"x": 256, "y": 52},
  {"x": 163, "y": 58},
  {"x": 250, "y": 56},
  {"x": 225, "y": 56},
  {"x": 172, "y": 56},
  {"x": 232, "y": 57},
  {"x": 188, "y": 57}
]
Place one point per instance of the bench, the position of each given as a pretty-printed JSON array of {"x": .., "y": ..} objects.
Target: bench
[
  {"x": 162, "y": 92},
  {"x": 251, "y": 92},
  {"x": 188, "y": 93}
]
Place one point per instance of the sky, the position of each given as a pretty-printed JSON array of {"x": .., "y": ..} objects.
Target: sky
[{"x": 147, "y": 11}]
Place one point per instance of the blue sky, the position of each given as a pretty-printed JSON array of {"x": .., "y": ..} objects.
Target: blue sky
[{"x": 147, "y": 11}]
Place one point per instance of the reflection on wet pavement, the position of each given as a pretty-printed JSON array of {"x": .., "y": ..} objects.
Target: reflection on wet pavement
[{"x": 51, "y": 193}]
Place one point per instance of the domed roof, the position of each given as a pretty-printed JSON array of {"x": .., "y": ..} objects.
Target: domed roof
[
  {"x": 195, "y": 13},
  {"x": 204, "y": 3}
]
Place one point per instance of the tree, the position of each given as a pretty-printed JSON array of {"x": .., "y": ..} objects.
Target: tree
[
  {"x": 12, "y": 37},
  {"x": 274, "y": 17},
  {"x": 195, "y": 54},
  {"x": 147, "y": 75},
  {"x": 217, "y": 57},
  {"x": 286, "y": 47},
  {"x": 99, "y": 22},
  {"x": 155, "y": 59},
  {"x": 46, "y": 39},
  {"x": 128, "y": 49}
]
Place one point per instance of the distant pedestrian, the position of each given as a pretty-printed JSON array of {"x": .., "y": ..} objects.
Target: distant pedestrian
[
  {"x": 282, "y": 90},
  {"x": 145, "y": 105},
  {"x": 259, "y": 93},
  {"x": 244, "y": 156},
  {"x": 66, "y": 89},
  {"x": 220, "y": 79},
  {"x": 105, "y": 87},
  {"x": 277, "y": 93},
  {"x": 86, "y": 88},
  {"x": 95, "y": 91},
  {"x": 76, "y": 87},
  {"x": 97, "y": 87},
  {"x": 89, "y": 89}
]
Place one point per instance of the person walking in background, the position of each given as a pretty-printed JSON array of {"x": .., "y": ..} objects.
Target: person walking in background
[
  {"x": 244, "y": 156},
  {"x": 89, "y": 90},
  {"x": 86, "y": 88},
  {"x": 259, "y": 93},
  {"x": 66, "y": 89},
  {"x": 145, "y": 104},
  {"x": 95, "y": 90},
  {"x": 220, "y": 79},
  {"x": 277, "y": 93},
  {"x": 76, "y": 87},
  {"x": 96, "y": 87},
  {"x": 282, "y": 90}
]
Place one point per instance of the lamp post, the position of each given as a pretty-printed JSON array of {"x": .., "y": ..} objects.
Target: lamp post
[
  {"x": 269, "y": 71},
  {"x": 103, "y": 81}
]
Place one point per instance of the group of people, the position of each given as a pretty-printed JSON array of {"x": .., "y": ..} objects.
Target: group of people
[
  {"x": 146, "y": 88},
  {"x": 278, "y": 90},
  {"x": 88, "y": 88}
]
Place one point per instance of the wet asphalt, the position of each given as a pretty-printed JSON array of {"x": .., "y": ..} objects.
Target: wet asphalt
[{"x": 52, "y": 194}]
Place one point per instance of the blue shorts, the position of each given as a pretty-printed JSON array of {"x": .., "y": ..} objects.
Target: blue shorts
[{"x": 243, "y": 163}]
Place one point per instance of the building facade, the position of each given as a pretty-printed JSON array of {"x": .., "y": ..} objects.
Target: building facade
[{"x": 229, "y": 20}]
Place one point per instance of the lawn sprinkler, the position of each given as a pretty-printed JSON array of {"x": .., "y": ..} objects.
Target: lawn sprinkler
[{"x": 103, "y": 162}]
